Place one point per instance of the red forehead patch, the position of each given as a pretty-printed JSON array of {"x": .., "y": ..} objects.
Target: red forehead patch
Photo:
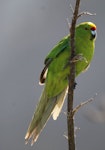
[{"x": 93, "y": 28}]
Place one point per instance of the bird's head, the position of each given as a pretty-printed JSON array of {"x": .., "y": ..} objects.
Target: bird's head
[{"x": 87, "y": 30}]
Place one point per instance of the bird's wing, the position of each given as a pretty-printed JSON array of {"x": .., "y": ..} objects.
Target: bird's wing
[{"x": 56, "y": 51}]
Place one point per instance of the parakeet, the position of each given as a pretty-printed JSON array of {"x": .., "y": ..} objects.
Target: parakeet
[{"x": 55, "y": 74}]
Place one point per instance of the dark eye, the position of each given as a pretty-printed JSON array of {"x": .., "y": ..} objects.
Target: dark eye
[{"x": 86, "y": 28}]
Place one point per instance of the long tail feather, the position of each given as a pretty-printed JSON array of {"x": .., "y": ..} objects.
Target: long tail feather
[
  {"x": 44, "y": 110},
  {"x": 59, "y": 104}
]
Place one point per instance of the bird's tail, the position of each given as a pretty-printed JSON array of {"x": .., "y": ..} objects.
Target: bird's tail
[{"x": 45, "y": 108}]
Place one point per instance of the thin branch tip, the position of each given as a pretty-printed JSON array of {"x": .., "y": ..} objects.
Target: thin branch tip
[
  {"x": 85, "y": 13},
  {"x": 71, "y": 7},
  {"x": 77, "y": 108},
  {"x": 68, "y": 22}
]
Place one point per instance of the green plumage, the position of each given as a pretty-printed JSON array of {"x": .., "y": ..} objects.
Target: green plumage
[{"x": 55, "y": 76}]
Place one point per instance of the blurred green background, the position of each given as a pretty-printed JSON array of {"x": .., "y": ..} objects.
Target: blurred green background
[{"x": 28, "y": 30}]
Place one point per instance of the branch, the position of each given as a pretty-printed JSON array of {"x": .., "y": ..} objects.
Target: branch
[
  {"x": 81, "y": 105},
  {"x": 70, "y": 120},
  {"x": 86, "y": 13}
]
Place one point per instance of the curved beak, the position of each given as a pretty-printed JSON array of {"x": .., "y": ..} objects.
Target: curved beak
[{"x": 93, "y": 34}]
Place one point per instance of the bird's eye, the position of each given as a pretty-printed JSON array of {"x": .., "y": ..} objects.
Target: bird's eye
[{"x": 86, "y": 28}]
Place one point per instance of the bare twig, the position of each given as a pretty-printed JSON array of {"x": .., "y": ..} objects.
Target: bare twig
[
  {"x": 86, "y": 13},
  {"x": 71, "y": 7},
  {"x": 68, "y": 23},
  {"x": 70, "y": 120},
  {"x": 81, "y": 105}
]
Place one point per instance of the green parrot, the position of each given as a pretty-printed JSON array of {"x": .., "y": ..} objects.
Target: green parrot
[{"x": 55, "y": 76}]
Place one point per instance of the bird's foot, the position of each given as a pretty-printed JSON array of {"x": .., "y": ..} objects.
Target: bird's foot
[
  {"x": 78, "y": 57},
  {"x": 74, "y": 86}
]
